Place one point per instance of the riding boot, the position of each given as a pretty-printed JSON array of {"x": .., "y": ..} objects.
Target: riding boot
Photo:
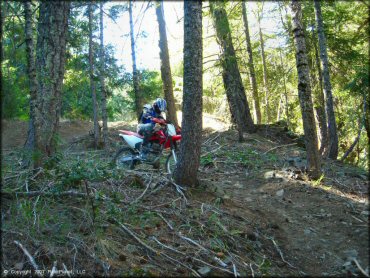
[{"x": 144, "y": 151}]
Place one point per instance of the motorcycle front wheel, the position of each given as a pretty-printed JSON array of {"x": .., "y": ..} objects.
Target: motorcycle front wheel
[
  {"x": 124, "y": 158},
  {"x": 171, "y": 161}
]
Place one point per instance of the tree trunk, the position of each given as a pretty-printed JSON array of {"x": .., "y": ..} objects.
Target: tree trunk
[
  {"x": 235, "y": 92},
  {"x": 92, "y": 81},
  {"x": 353, "y": 144},
  {"x": 332, "y": 127},
  {"x": 320, "y": 109},
  {"x": 361, "y": 124},
  {"x": 102, "y": 81},
  {"x": 50, "y": 60},
  {"x": 279, "y": 108},
  {"x": 367, "y": 125},
  {"x": 189, "y": 159},
  {"x": 3, "y": 11},
  {"x": 304, "y": 92},
  {"x": 135, "y": 75},
  {"x": 265, "y": 83},
  {"x": 285, "y": 91},
  {"x": 31, "y": 72},
  {"x": 165, "y": 65},
  {"x": 252, "y": 74}
]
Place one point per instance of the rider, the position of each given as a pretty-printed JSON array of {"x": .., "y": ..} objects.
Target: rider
[{"x": 146, "y": 124}]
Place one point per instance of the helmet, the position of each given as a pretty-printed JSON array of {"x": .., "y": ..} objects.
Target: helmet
[{"x": 160, "y": 104}]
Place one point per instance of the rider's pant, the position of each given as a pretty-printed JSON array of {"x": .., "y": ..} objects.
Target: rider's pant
[{"x": 146, "y": 130}]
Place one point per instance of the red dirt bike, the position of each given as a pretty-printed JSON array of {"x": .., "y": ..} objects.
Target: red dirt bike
[{"x": 165, "y": 137}]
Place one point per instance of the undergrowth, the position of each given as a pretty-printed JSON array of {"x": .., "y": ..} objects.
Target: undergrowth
[{"x": 81, "y": 230}]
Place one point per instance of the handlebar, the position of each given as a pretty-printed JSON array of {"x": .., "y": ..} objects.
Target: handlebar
[{"x": 159, "y": 121}]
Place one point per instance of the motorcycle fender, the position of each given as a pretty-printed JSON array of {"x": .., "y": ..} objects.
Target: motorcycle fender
[
  {"x": 131, "y": 140},
  {"x": 176, "y": 138}
]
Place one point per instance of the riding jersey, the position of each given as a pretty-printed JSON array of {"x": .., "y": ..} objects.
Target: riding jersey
[{"x": 147, "y": 114}]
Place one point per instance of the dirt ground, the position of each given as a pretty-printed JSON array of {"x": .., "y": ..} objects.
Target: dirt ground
[{"x": 307, "y": 228}]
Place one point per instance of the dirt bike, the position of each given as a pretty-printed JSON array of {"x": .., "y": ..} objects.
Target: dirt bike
[{"x": 164, "y": 137}]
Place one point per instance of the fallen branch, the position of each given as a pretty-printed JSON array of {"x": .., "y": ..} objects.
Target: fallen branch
[
  {"x": 281, "y": 146},
  {"x": 167, "y": 247},
  {"x": 193, "y": 242},
  {"x": 360, "y": 268},
  {"x": 250, "y": 265},
  {"x": 25, "y": 251},
  {"x": 210, "y": 140},
  {"x": 193, "y": 258},
  {"x": 91, "y": 254},
  {"x": 164, "y": 219},
  {"x": 91, "y": 199},
  {"x": 214, "y": 150},
  {"x": 142, "y": 194},
  {"x": 179, "y": 188},
  {"x": 281, "y": 254},
  {"x": 127, "y": 230},
  {"x": 38, "y": 193},
  {"x": 19, "y": 173},
  {"x": 164, "y": 204}
]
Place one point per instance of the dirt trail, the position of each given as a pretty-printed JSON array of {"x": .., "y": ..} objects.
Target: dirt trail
[{"x": 318, "y": 229}]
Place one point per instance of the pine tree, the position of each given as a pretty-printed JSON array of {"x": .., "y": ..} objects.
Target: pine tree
[
  {"x": 50, "y": 60},
  {"x": 92, "y": 79},
  {"x": 31, "y": 72},
  {"x": 102, "y": 80},
  {"x": 189, "y": 158},
  {"x": 165, "y": 65},
  {"x": 135, "y": 73}
]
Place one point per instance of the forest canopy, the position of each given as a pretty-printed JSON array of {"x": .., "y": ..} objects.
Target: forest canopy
[{"x": 346, "y": 27}]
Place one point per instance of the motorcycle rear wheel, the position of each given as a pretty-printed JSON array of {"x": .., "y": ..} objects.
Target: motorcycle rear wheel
[{"x": 121, "y": 154}]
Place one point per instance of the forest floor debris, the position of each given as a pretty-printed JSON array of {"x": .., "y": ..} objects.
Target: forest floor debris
[{"x": 80, "y": 214}]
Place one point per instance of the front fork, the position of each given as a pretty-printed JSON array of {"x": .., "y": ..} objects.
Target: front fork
[
  {"x": 174, "y": 155},
  {"x": 173, "y": 150}
]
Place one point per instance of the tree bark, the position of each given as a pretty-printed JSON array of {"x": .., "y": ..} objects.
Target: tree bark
[
  {"x": 304, "y": 92},
  {"x": 165, "y": 65},
  {"x": 332, "y": 126},
  {"x": 102, "y": 80},
  {"x": 92, "y": 81},
  {"x": 265, "y": 81},
  {"x": 189, "y": 158},
  {"x": 235, "y": 92},
  {"x": 31, "y": 72},
  {"x": 50, "y": 61},
  {"x": 252, "y": 74},
  {"x": 135, "y": 75}
]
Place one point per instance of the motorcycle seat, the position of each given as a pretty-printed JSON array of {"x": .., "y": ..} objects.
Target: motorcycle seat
[{"x": 127, "y": 132}]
